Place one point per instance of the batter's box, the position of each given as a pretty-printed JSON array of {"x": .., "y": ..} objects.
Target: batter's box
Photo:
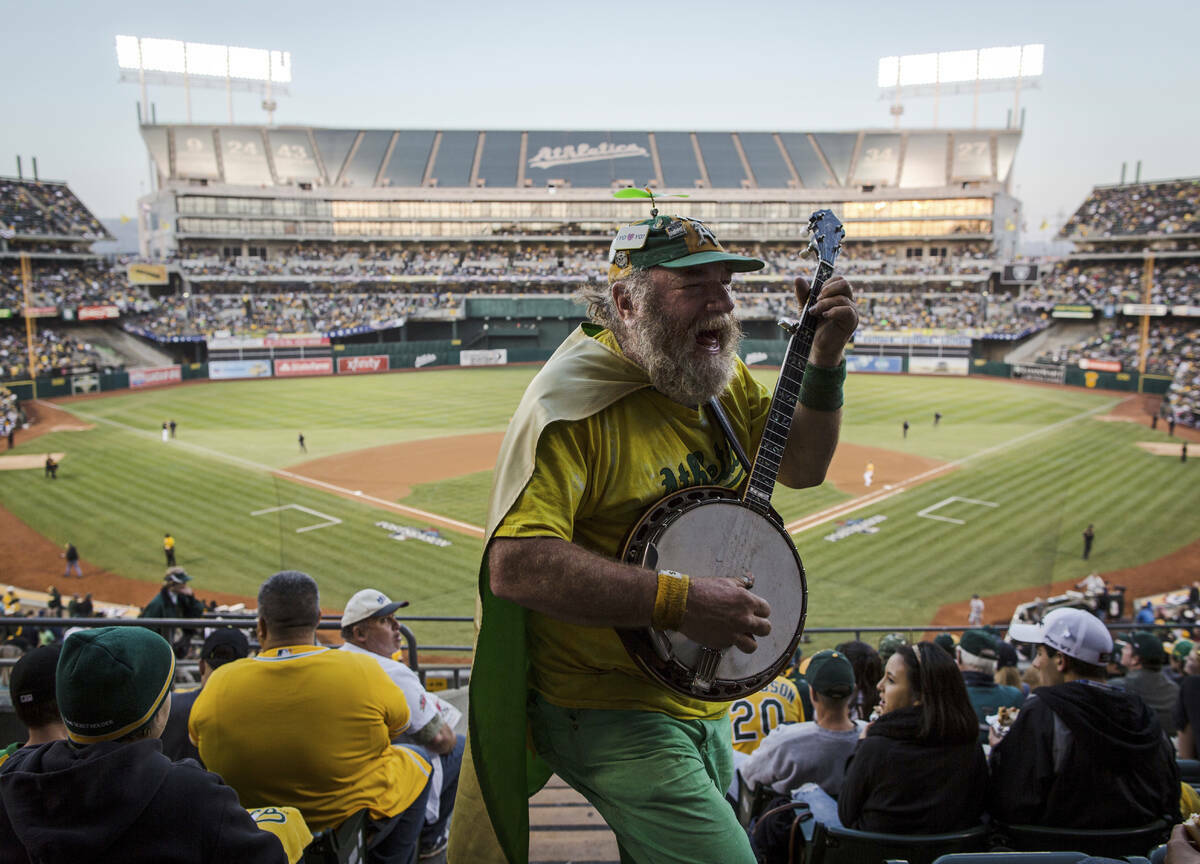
[
  {"x": 328, "y": 520},
  {"x": 927, "y": 513}
]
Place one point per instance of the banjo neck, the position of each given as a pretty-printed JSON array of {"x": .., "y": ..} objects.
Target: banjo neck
[{"x": 827, "y": 233}]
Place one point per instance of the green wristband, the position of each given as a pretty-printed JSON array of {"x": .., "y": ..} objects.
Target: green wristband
[{"x": 821, "y": 388}]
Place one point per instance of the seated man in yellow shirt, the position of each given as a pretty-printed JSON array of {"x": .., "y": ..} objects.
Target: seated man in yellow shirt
[{"x": 300, "y": 725}]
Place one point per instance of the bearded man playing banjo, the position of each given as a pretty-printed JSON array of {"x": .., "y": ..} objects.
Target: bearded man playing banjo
[{"x": 614, "y": 422}]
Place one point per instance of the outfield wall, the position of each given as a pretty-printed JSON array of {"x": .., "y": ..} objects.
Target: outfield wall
[{"x": 359, "y": 358}]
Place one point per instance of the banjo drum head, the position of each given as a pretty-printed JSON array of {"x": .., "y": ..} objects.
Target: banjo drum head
[{"x": 722, "y": 537}]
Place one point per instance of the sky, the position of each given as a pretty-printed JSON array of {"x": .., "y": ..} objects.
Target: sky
[{"x": 1119, "y": 84}]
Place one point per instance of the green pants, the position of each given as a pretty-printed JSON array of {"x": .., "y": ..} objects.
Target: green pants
[{"x": 658, "y": 782}]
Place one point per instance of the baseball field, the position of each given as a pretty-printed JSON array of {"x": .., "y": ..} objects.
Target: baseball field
[{"x": 392, "y": 492}]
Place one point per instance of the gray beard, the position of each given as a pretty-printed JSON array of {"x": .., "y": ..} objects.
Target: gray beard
[{"x": 666, "y": 353}]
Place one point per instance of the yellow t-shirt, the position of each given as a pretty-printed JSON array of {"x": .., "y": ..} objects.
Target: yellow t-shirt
[
  {"x": 309, "y": 728},
  {"x": 757, "y": 714},
  {"x": 592, "y": 482},
  {"x": 169, "y": 543}
]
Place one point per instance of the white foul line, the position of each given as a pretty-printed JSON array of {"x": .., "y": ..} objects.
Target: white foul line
[
  {"x": 828, "y": 515},
  {"x": 464, "y": 527}
]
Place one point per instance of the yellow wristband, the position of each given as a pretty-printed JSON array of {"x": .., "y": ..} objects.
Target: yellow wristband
[{"x": 670, "y": 602}]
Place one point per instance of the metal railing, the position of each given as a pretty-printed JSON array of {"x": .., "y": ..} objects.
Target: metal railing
[{"x": 455, "y": 671}]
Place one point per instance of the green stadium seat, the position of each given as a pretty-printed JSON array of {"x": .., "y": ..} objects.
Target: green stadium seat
[
  {"x": 345, "y": 844},
  {"x": 1189, "y": 771},
  {"x": 1011, "y": 858},
  {"x": 846, "y": 846},
  {"x": 1107, "y": 842}
]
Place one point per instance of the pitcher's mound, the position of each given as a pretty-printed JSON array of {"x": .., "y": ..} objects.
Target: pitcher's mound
[{"x": 27, "y": 461}]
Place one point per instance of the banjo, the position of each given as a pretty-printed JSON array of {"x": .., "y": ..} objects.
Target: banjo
[{"x": 711, "y": 531}]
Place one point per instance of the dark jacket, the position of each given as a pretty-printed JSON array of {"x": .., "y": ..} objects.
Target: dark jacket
[
  {"x": 1084, "y": 755},
  {"x": 1157, "y": 690},
  {"x": 168, "y": 604},
  {"x": 122, "y": 802},
  {"x": 986, "y": 696},
  {"x": 898, "y": 783},
  {"x": 176, "y": 743}
]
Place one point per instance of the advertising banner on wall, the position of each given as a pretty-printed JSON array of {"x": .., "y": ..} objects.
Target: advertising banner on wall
[
  {"x": 153, "y": 376},
  {"x": 1066, "y": 311},
  {"x": 41, "y": 311},
  {"x": 864, "y": 363},
  {"x": 1019, "y": 274},
  {"x": 223, "y": 369},
  {"x": 147, "y": 274},
  {"x": 305, "y": 366},
  {"x": 490, "y": 357},
  {"x": 98, "y": 313},
  {"x": 304, "y": 340},
  {"x": 939, "y": 365},
  {"x": 1100, "y": 365},
  {"x": 1044, "y": 372},
  {"x": 359, "y": 365},
  {"x": 1155, "y": 309}
]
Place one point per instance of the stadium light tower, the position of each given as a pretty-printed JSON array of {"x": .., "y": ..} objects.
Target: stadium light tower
[
  {"x": 985, "y": 69},
  {"x": 187, "y": 64}
]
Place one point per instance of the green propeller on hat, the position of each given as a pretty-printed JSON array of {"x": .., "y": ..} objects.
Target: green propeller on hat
[{"x": 646, "y": 192}]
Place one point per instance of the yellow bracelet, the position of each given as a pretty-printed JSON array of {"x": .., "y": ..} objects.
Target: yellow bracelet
[{"x": 670, "y": 602}]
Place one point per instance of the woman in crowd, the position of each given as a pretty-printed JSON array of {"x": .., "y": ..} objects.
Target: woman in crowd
[{"x": 919, "y": 768}]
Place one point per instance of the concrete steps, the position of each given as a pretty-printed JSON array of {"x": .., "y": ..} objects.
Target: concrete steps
[{"x": 565, "y": 829}]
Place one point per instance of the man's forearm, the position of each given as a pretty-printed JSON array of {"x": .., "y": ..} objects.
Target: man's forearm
[
  {"x": 811, "y": 442},
  {"x": 567, "y": 582}
]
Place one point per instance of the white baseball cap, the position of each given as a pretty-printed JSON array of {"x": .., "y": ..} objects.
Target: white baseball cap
[
  {"x": 1073, "y": 632},
  {"x": 369, "y": 603}
]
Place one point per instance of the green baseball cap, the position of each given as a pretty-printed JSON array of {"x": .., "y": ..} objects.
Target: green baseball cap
[
  {"x": 1147, "y": 646},
  {"x": 670, "y": 241},
  {"x": 831, "y": 674},
  {"x": 888, "y": 645},
  {"x": 979, "y": 643},
  {"x": 1182, "y": 649},
  {"x": 946, "y": 641}
]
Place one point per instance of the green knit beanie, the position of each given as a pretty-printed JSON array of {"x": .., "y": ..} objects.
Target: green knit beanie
[{"x": 112, "y": 681}]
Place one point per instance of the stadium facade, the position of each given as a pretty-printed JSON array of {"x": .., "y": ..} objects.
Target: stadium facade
[{"x": 246, "y": 190}]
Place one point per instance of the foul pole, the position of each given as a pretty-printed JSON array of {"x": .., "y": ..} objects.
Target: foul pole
[
  {"x": 1144, "y": 328},
  {"x": 26, "y": 279}
]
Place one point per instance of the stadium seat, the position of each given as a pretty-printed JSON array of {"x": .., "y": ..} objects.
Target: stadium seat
[
  {"x": 846, "y": 846},
  {"x": 1011, "y": 858},
  {"x": 1189, "y": 771},
  {"x": 345, "y": 844},
  {"x": 1106, "y": 841}
]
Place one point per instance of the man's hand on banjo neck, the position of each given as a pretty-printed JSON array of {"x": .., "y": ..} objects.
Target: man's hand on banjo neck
[{"x": 564, "y": 581}]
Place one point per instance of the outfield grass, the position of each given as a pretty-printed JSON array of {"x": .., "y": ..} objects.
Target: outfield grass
[{"x": 120, "y": 488}]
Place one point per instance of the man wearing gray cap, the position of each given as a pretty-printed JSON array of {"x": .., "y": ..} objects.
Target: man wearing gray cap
[
  {"x": 1081, "y": 754},
  {"x": 369, "y": 627}
]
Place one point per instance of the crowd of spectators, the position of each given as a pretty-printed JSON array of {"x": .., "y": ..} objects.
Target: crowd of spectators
[
  {"x": 99, "y": 711},
  {"x": 33, "y": 207},
  {"x": 1168, "y": 343},
  {"x": 1183, "y": 396},
  {"x": 346, "y": 262},
  {"x": 1171, "y": 207},
  {"x": 1104, "y": 283},
  {"x": 56, "y": 353},
  {"x": 71, "y": 284},
  {"x": 201, "y": 315}
]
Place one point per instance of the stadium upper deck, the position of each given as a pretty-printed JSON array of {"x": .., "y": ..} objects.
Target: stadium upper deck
[{"x": 254, "y": 183}]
